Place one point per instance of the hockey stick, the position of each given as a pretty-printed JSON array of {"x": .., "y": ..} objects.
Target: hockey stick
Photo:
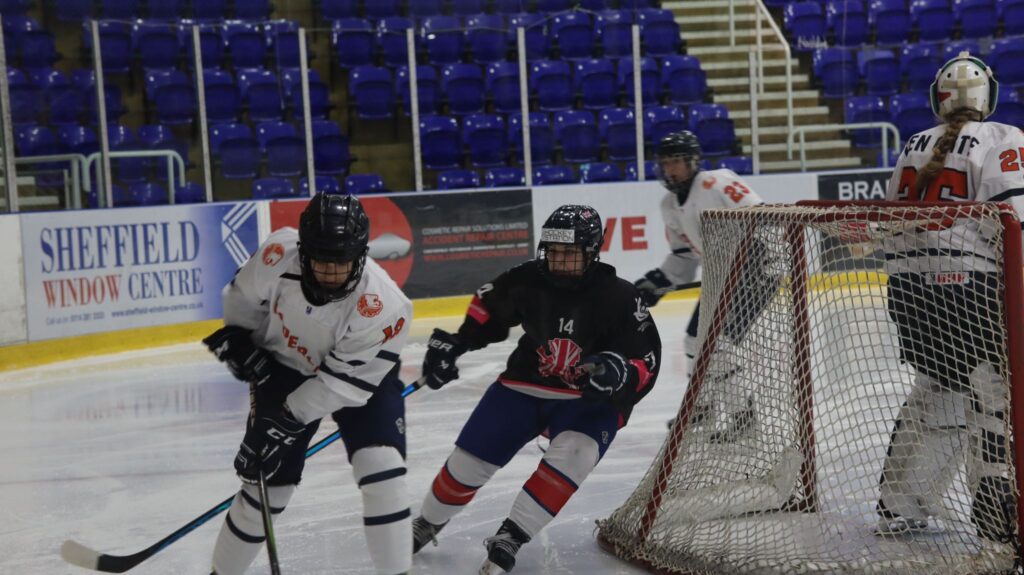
[
  {"x": 77, "y": 554},
  {"x": 268, "y": 526}
]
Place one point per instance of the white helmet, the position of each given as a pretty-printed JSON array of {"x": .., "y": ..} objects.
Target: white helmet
[{"x": 964, "y": 81}]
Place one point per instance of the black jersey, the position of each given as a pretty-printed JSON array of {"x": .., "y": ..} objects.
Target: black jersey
[{"x": 562, "y": 328}]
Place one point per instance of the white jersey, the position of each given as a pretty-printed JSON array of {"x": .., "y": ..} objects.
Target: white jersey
[
  {"x": 710, "y": 189},
  {"x": 348, "y": 345},
  {"x": 985, "y": 164}
]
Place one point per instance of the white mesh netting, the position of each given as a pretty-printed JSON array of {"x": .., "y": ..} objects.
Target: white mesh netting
[{"x": 774, "y": 462}]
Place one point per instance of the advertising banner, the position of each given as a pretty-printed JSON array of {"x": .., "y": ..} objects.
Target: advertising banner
[
  {"x": 440, "y": 244},
  {"x": 131, "y": 267},
  {"x": 849, "y": 186}
]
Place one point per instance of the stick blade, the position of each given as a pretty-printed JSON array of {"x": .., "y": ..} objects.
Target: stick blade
[{"x": 77, "y": 554}]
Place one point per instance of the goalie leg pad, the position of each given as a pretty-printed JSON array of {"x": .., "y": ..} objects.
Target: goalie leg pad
[
  {"x": 241, "y": 536},
  {"x": 993, "y": 511},
  {"x": 568, "y": 461},
  {"x": 923, "y": 451},
  {"x": 380, "y": 473},
  {"x": 455, "y": 485}
]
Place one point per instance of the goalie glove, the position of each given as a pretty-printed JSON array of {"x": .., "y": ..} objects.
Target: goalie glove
[
  {"x": 233, "y": 346},
  {"x": 443, "y": 349},
  {"x": 653, "y": 286},
  {"x": 610, "y": 375}
]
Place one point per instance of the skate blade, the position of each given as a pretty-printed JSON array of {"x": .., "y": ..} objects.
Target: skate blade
[{"x": 489, "y": 568}]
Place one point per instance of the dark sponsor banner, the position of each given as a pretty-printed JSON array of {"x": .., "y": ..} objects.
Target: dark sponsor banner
[
  {"x": 853, "y": 185},
  {"x": 442, "y": 244}
]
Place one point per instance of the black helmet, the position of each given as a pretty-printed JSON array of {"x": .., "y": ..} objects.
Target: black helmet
[
  {"x": 682, "y": 144},
  {"x": 332, "y": 228},
  {"x": 571, "y": 225}
]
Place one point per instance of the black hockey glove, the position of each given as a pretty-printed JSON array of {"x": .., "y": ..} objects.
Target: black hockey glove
[
  {"x": 443, "y": 349},
  {"x": 653, "y": 286},
  {"x": 234, "y": 347},
  {"x": 268, "y": 437},
  {"x": 609, "y": 375}
]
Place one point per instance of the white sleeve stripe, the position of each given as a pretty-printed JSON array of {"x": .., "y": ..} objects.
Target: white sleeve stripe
[{"x": 353, "y": 381}]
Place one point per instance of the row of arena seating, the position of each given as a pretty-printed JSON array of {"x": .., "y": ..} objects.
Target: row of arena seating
[
  {"x": 555, "y": 85},
  {"x": 486, "y": 38},
  {"x": 854, "y": 22},
  {"x": 336, "y": 9}
]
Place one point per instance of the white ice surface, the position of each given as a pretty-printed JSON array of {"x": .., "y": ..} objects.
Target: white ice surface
[{"x": 119, "y": 451}]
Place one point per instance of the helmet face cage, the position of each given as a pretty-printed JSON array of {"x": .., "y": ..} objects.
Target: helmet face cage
[
  {"x": 332, "y": 229},
  {"x": 571, "y": 225},
  {"x": 678, "y": 145},
  {"x": 964, "y": 82}
]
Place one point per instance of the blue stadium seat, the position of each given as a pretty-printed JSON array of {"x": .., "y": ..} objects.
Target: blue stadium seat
[
  {"x": 649, "y": 173},
  {"x": 34, "y": 141},
  {"x": 440, "y": 142},
  {"x": 364, "y": 184},
  {"x": 391, "y": 38},
  {"x": 740, "y": 164},
  {"x": 911, "y": 113},
  {"x": 553, "y": 175},
  {"x": 551, "y": 82},
  {"x": 211, "y": 44},
  {"x": 577, "y": 132},
  {"x": 115, "y": 45},
  {"x": 511, "y": 6},
  {"x": 286, "y": 156},
  {"x": 324, "y": 185},
  {"x": 554, "y": 5},
  {"x": 26, "y": 104},
  {"x": 223, "y": 100},
  {"x": 617, "y": 128},
  {"x": 596, "y": 172},
  {"x": 1011, "y": 14},
  {"x": 128, "y": 170},
  {"x": 467, "y": 7},
  {"x": 836, "y": 68},
  {"x": 805, "y": 23},
  {"x": 252, "y": 9},
  {"x": 1010, "y": 109},
  {"x": 428, "y": 89},
  {"x": 159, "y": 137},
  {"x": 457, "y": 180},
  {"x": 487, "y": 37},
  {"x": 847, "y": 20},
  {"x": 85, "y": 81},
  {"x": 319, "y": 100},
  {"x": 373, "y": 91},
  {"x": 597, "y": 82},
  {"x": 712, "y": 126},
  {"x": 636, "y": 4},
  {"x": 464, "y": 86},
  {"x": 352, "y": 39},
  {"x": 63, "y": 101},
  {"x": 78, "y": 140},
  {"x": 247, "y": 47},
  {"x": 659, "y": 32},
  {"x": 977, "y": 17},
  {"x": 146, "y": 194},
  {"x": 282, "y": 38},
  {"x": 331, "y": 10},
  {"x": 660, "y": 121},
  {"x": 952, "y": 49},
  {"x": 880, "y": 70},
  {"x": 891, "y": 20},
  {"x": 119, "y": 9},
  {"x": 262, "y": 92},
  {"x": 159, "y": 45},
  {"x": 267, "y": 131},
  {"x": 918, "y": 64},
  {"x": 1007, "y": 58},
  {"x": 36, "y": 49},
  {"x": 272, "y": 188},
  {"x": 166, "y": 11},
  {"x": 615, "y": 31},
  {"x": 190, "y": 193},
  {"x": 382, "y": 9},
  {"x": 73, "y": 10},
  {"x": 574, "y": 33},
  {"x": 538, "y": 43},
  {"x": 172, "y": 96},
  {"x": 424, "y": 8},
  {"x": 933, "y": 19},
  {"x": 237, "y": 149},
  {"x": 542, "y": 137},
  {"x": 331, "y": 154},
  {"x": 209, "y": 10},
  {"x": 443, "y": 38},
  {"x": 501, "y": 82},
  {"x": 484, "y": 136},
  {"x": 866, "y": 109},
  {"x": 683, "y": 80},
  {"x": 650, "y": 78},
  {"x": 505, "y": 177}
]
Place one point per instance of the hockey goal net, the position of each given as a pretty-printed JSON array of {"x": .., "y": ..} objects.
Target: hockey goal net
[{"x": 774, "y": 460}]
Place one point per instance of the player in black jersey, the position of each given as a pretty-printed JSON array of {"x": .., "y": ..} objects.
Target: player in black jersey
[{"x": 590, "y": 352}]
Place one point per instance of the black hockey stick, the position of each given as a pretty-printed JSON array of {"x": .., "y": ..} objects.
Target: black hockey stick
[
  {"x": 268, "y": 526},
  {"x": 77, "y": 554}
]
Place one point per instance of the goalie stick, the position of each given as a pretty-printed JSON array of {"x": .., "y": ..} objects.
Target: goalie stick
[{"x": 77, "y": 554}]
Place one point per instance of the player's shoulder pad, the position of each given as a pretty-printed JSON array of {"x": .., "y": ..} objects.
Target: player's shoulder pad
[
  {"x": 1003, "y": 135},
  {"x": 280, "y": 246}
]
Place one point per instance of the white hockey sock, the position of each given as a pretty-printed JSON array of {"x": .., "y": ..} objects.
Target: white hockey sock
[
  {"x": 241, "y": 536},
  {"x": 455, "y": 485},
  {"x": 380, "y": 473},
  {"x": 569, "y": 459}
]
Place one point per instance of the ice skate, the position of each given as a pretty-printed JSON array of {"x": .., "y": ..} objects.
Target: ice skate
[
  {"x": 502, "y": 548},
  {"x": 424, "y": 532}
]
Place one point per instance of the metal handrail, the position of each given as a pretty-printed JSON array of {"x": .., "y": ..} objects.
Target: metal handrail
[
  {"x": 802, "y": 130},
  {"x": 173, "y": 158},
  {"x": 763, "y": 10},
  {"x": 77, "y": 162}
]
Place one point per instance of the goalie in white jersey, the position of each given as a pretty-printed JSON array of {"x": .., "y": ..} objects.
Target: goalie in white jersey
[
  {"x": 316, "y": 327},
  {"x": 958, "y": 385},
  {"x": 691, "y": 191}
]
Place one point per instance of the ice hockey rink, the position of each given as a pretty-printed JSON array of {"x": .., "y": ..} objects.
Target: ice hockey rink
[{"x": 119, "y": 451}]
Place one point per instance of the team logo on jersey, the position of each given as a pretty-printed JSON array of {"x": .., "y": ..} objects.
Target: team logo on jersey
[
  {"x": 369, "y": 305},
  {"x": 641, "y": 312},
  {"x": 273, "y": 254},
  {"x": 559, "y": 359},
  {"x": 400, "y": 425}
]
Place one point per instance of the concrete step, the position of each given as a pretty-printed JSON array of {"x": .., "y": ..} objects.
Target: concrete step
[
  {"x": 741, "y": 100},
  {"x": 842, "y": 147},
  {"x": 762, "y": 114},
  {"x": 815, "y": 164},
  {"x": 688, "y": 7},
  {"x": 772, "y": 83},
  {"x": 717, "y": 21},
  {"x": 744, "y": 37},
  {"x": 731, "y": 67},
  {"x": 738, "y": 53},
  {"x": 777, "y": 134}
]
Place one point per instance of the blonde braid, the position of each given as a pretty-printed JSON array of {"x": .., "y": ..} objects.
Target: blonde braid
[{"x": 955, "y": 121}]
